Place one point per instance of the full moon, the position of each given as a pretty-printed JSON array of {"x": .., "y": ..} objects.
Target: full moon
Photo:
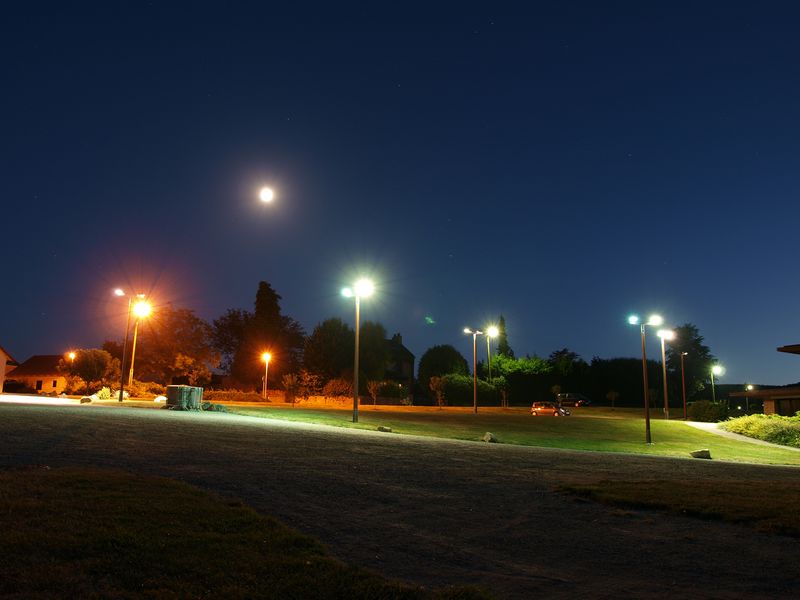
[{"x": 266, "y": 194}]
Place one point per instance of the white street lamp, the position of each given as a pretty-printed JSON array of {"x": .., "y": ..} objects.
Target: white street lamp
[
  {"x": 266, "y": 195},
  {"x": 363, "y": 288},
  {"x": 474, "y": 335},
  {"x": 652, "y": 321},
  {"x": 665, "y": 334},
  {"x": 715, "y": 370}
]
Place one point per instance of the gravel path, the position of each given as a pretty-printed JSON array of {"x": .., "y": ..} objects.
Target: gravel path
[{"x": 434, "y": 512}]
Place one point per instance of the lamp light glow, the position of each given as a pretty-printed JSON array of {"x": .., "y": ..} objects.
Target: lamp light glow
[
  {"x": 717, "y": 370},
  {"x": 142, "y": 309},
  {"x": 655, "y": 320},
  {"x": 633, "y": 319},
  {"x": 364, "y": 288},
  {"x": 266, "y": 357},
  {"x": 666, "y": 334},
  {"x": 492, "y": 331}
]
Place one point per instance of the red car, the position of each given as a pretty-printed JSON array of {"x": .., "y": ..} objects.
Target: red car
[{"x": 548, "y": 409}]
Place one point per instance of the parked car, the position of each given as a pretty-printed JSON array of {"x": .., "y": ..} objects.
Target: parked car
[
  {"x": 549, "y": 409},
  {"x": 572, "y": 399}
]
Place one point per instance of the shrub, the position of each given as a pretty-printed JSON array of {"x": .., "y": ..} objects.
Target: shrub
[
  {"x": 231, "y": 396},
  {"x": 143, "y": 389},
  {"x": 337, "y": 387},
  {"x": 769, "y": 428},
  {"x": 707, "y": 411},
  {"x": 458, "y": 391},
  {"x": 104, "y": 393}
]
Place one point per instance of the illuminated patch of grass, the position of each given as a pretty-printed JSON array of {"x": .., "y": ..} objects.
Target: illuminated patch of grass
[
  {"x": 621, "y": 431},
  {"x": 78, "y": 533},
  {"x": 734, "y": 501}
]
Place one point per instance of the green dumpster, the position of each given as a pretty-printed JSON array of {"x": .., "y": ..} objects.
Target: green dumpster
[{"x": 184, "y": 397}]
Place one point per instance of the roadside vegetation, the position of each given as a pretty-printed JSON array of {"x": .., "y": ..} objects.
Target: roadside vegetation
[
  {"x": 81, "y": 533},
  {"x": 769, "y": 428},
  {"x": 594, "y": 429}
]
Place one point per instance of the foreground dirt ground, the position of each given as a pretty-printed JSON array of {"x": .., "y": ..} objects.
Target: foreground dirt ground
[{"x": 434, "y": 512}]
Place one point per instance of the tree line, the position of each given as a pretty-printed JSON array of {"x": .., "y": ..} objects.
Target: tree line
[{"x": 176, "y": 346}]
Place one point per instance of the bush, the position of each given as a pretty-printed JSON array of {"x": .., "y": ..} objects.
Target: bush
[
  {"x": 144, "y": 389},
  {"x": 231, "y": 396},
  {"x": 458, "y": 391},
  {"x": 337, "y": 387},
  {"x": 104, "y": 393},
  {"x": 707, "y": 411},
  {"x": 769, "y": 428}
]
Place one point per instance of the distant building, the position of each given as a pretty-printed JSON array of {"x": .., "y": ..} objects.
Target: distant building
[
  {"x": 400, "y": 367},
  {"x": 40, "y": 372},
  {"x": 7, "y": 364},
  {"x": 783, "y": 401}
]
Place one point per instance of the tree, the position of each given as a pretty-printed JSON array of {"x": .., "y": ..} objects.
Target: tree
[
  {"x": 374, "y": 353},
  {"x": 329, "y": 349},
  {"x": 697, "y": 362},
  {"x": 502, "y": 339},
  {"x": 436, "y": 385},
  {"x": 173, "y": 343},
  {"x": 95, "y": 366},
  {"x": 241, "y": 337},
  {"x": 374, "y": 388},
  {"x": 438, "y": 361}
]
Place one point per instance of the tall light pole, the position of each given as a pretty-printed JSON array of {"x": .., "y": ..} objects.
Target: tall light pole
[
  {"x": 141, "y": 309},
  {"x": 491, "y": 332},
  {"x": 749, "y": 388},
  {"x": 715, "y": 370},
  {"x": 665, "y": 334},
  {"x": 119, "y": 292},
  {"x": 683, "y": 384},
  {"x": 653, "y": 321},
  {"x": 475, "y": 335},
  {"x": 363, "y": 288},
  {"x": 266, "y": 357}
]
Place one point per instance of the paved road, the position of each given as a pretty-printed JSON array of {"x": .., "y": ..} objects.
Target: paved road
[{"x": 433, "y": 512}]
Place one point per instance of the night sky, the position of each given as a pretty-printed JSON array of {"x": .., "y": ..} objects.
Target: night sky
[{"x": 562, "y": 166}]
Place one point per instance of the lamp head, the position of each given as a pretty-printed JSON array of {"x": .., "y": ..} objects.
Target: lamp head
[
  {"x": 266, "y": 195},
  {"x": 364, "y": 288},
  {"x": 655, "y": 320},
  {"x": 666, "y": 334},
  {"x": 717, "y": 369},
  {"x": 142, "y": 309},
  {"x": 492, "y": 331},
  {"x": 633, "y": 319},
  {"x": 266, "y": 357}
]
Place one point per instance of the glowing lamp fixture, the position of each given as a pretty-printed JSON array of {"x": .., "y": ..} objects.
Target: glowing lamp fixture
[
  {"x": 492, "y": 331},
  {"x": 717, "y": 370},
  {"x": 666, "y": 334},
  {"x": 142, "y": 309},
  {"x": 362, "y": 289},
  {"x": 266, "y": 357},
  {"x": 71, "y": 356}
]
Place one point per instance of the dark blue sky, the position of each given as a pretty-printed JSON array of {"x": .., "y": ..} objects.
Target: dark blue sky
[{"x": 562, "y": 165}]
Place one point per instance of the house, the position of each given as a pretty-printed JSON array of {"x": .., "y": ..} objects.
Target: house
[
  {"x": 40, "y": 372},
  {"x": 783, "y": 401},
  {"x": 400, "y": 367},
  {"x": 7, "y": 364}
]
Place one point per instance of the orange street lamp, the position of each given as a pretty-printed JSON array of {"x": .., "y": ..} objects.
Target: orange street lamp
[
  {"x": 141, "y": 309},
  {"x": 120, "y": 293},
  {"x": 71, "y": 357},
  {"x": 266, "y": 357}
]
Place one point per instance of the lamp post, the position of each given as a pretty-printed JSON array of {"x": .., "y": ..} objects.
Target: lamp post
[
  {"x": 665, "y": 334},
  {"x": 266, "y": 357},
  {"x": 749, "y": 388},
  {"x": 141, "y": 309},
  {"x": 119, "y": 292},
  {"x": 363, "y": 288},
  {"x": 653, "y": 321},
  {"x": 475, "y": 335},
  {"x": 715, "y": 370},
  {"x": 683, "y": 384},
  {"x": 491, "y": 332}
]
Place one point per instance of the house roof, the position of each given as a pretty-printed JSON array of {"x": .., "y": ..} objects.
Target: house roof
[
  {"x": 789, "y": 391},
  {"x": 39, "y": 364},
  {"x": 10, "y": 360}
]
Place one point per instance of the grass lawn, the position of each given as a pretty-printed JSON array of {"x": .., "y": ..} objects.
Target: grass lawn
[
  {"x": 78, "y": 533},
  {"x": 598, "y": 429},
  {"x": 734, "y": 501}
]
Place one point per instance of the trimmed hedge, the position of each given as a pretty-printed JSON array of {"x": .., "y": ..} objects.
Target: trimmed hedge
[
  {"x": 707, "y": 412},
  {"x": 769, "y": 428}
]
